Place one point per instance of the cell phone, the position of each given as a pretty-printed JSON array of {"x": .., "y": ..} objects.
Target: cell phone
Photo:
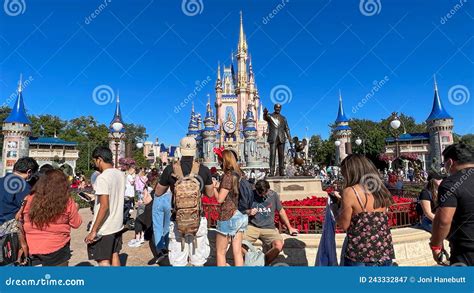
[
  {"x": 84, "y": 196},
  {"x": 97, "y": 238}
]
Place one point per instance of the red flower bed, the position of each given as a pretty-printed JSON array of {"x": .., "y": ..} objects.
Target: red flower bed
[{"x": 307, "y": 215}]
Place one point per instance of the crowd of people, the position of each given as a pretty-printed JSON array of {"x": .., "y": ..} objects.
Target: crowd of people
[{"x": 168, "y": 211}]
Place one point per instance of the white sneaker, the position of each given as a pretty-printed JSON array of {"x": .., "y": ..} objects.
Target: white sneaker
[
  {"x": 135, "y": 244},
  {"x": 142, "y": 240},
  {"x": 132, "y": 242}
]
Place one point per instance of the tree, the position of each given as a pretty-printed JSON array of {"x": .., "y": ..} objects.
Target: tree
[
  {"x": 46, "y": 125},
  {"x": 140, "y": 159},
  {"x": 321, "y": 151},
  {"x": 88, "y": 134},
  {"x": 133, "y": 134},
  {"x": 467, "y": 138}
]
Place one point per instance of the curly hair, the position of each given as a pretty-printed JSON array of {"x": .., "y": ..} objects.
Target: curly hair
[{"x": 51, "y": 195}]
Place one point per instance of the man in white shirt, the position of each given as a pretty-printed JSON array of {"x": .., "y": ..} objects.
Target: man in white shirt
[{"x": 104, "y": 240}]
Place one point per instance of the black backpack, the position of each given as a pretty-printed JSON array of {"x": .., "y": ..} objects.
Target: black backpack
[{"x": 245, "y": 195}]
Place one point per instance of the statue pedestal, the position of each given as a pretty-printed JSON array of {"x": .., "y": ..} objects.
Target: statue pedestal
[{"x": 291, "y": 188}]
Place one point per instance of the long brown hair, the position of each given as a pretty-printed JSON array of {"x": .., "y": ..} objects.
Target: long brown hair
[
  {"x": 51, "y": 195},
  {"x": 357, "y": 169},
  {"x": 230, "y": 162},
  {"x": 229, "y": 165},
  {"x": 433, "y": 188}
]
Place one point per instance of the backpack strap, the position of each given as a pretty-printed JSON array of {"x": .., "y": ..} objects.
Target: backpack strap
[
  {"x": 195, "y": 168},
  {"x": 177, "y": 170}
]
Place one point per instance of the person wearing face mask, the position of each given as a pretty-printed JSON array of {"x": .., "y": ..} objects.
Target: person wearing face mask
[
  {"x": 14, "y": 187},
  {"x": 454, "y": 218}
]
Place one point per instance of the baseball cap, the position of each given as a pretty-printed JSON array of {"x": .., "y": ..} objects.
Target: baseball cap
[{"x": 187, "y": 146}]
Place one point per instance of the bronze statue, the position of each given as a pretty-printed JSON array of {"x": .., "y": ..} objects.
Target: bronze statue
[
  {"x": 278, "y": 133},
  {"x": 302, "y": 166}
]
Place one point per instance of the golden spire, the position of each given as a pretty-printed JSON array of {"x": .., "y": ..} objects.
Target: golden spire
[{"x": 242, "y": 42}]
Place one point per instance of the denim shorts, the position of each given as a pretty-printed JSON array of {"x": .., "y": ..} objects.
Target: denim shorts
[{"x": 238, "y": 223}]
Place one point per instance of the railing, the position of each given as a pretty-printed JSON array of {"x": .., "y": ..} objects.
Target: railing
[{"x": 309, "y": 219}]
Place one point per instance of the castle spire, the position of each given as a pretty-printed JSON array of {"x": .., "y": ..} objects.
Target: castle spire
[
  {"x": 18, "y": 113},
  {"x": 209, "y": 109},
  {"x": 20, "y": 84},
  {"x": 118, "y": 112},
  {"x": 341, "y": 117},
  {"x": 242, "y": 41},
  {"x": 438, "y": 111}
]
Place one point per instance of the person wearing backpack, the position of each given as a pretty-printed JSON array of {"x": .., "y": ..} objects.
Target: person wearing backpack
[
  {"x": 427, "y": 201},
  {"x": 188, "y": 242},
  {"x": 231, "y": 223}
]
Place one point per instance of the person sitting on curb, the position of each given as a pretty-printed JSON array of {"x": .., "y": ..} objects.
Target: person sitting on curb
[{"x": 261, "y": 220}]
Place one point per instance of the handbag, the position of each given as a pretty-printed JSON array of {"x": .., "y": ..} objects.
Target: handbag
[{"x": 10, "y": 245}]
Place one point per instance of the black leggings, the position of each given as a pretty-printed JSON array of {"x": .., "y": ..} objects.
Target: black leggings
[{"x": 139, "y": 227}]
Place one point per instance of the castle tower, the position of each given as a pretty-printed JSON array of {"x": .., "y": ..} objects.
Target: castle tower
[
  {"x": 16, "y": 132},
  {"x": 342, "y": 133},
  {"x": 250, "y": 142},
  {"x": 193, "y": 127},
  {"x": 242, "y": 76},
  {"x": 235, "y": 90},
  {"x": 209, "y": 134},
  {"x": 117, "y": 140},
  {"x": 440, "y": 128}
]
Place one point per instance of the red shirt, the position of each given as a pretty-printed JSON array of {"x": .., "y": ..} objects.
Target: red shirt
[{"x": 53, "y": 236}]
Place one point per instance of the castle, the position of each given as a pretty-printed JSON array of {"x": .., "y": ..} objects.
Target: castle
[
  {"x": 18, "y": 142},
  {"x": 238, "y": 123},
  {"x": 424, "y": 149}
]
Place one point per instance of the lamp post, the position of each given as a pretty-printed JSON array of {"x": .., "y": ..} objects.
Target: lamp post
[
  {"x": 118, "y": 136},
  {"x": 395, "y": 123},
  {"x": 360, "y": 141}
]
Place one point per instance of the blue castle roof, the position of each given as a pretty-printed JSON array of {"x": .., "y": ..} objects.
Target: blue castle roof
[
  {"x": 341, "y": 117},
  {"x": 438, "y": 111},
  {"x": 18, "y": 113},
  {"x": 50, "y": 141},
  {"x": 410, "y": 137},
  {"x": 172, "y": 151}
]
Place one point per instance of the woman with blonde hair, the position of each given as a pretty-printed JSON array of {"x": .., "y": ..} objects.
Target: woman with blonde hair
[
  {"x": 231, "y": 223},
  {"x": 363, "y": 214}
]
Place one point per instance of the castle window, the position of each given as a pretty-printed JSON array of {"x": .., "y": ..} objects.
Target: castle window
[{"x": 445, "y": 139}]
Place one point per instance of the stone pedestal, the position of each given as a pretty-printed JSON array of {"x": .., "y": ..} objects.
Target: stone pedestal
[{"x": 291, "y": 188}]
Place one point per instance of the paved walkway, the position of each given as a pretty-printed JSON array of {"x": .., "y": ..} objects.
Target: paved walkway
[{"x": 129, "y": 256}]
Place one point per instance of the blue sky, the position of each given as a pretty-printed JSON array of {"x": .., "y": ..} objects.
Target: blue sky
[{"x": 154, "y": 52}]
